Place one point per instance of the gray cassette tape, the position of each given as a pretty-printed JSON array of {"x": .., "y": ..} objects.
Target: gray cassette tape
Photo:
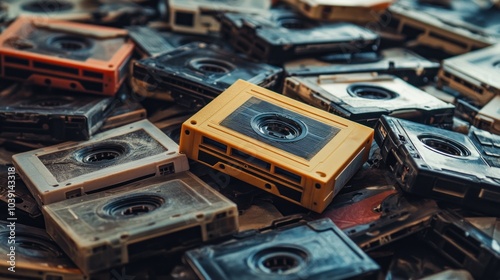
[
  {"x": 200, "y": 16},
  {"x": 151, "y": 217},
  {"x": 128, "y": 153},
  {"x": 474, "y": 74},
  {"x": 35, "y": 255},
  {"x": 364, "y": 97}
]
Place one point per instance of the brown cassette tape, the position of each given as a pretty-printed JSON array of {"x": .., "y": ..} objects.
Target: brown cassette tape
[
  {"x": 295, "y": 151},
  {"x": 66, "y": 55}
]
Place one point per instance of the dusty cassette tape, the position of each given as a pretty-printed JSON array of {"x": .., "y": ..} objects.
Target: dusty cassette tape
[
  {"x": 78, "y": 10},
  {"x": 65, "y": 55},
  {"x": 488, "y": 118},
  {"x": 359, "y": 11},
  {"x": 125, "y": 112},
  {"x": 154, "y": 216},
  {"x": 402, "y": 63},
  {"x": 194, "y": 74},
  {"x": 462, "y": 242},
  {"x": 401, "y": 216},
  {"x": 474, "y": 74},
  {"x": 283, "y": 34},
  {"x": 201, "y": 16},
  {"x": 31, "y": 113},
  {"x": 364, "y": 97},
  {"x": 488, "y": 145},
  {"x": 313, "y": 250},
  {"x": 278, "y": 144},
  {"x": 437, "y": 163},
  {"x": 457, "y": 29},
  {"x": 128, "y": 153},
  {"x": 29, "y": 253}
]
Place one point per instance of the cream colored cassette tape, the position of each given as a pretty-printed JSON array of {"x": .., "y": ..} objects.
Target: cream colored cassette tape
[
  {"x": 278, "y": 144},
  {"x": 488, "y": 118},
  {"x": 200, "y": 16},
  {"x": 475, "y": 74},
  {"x": 364, "y": 97},
  {"x": 128, "y": 153},
  {"x": 156, "y": 216}
]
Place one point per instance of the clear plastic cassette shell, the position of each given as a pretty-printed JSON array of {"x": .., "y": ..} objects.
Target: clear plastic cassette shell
[
  {"x": 314, "y": 250},
  {"x": 281, "y": 34},
  {"x": 128, "y": 153},
  {"x": 194, "y": 74},
  {"x": 359, "y": 11},
  {"x": 401, "y": 216},
  {"x": 201, "y": 16},
  {"x": 438, "y": 163},
  {"x": 474, "y": 74},
  {"x": 294, "y": 151},
  {"x": 77, "y": 10},
  {"x": 399, "y": 62},
  {"x": 463, "y": 243},
  {"x": 32, "y": 114},
  {"x": 457, "y": 29},
  {"x": 488, "y": 118},
  {"x": 36, "y": 256},
  {"x": 364, "y": 97},
  {"x": 141, "y": 219}
]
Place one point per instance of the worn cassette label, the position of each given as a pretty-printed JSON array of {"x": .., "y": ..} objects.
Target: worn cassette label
[
  {"x": 277, "y": 144},
  {"x": 138, "y": 220},
  {"x": 131, "y": 152},
  {"x": 72, "y": 56}
]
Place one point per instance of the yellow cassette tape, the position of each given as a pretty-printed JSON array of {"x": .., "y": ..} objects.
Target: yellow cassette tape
[{"x": 290, "y": 149}]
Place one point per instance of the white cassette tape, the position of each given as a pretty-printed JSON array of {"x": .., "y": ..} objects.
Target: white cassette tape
[
  {"x": 200, "y": 16},
  {"x": 128, "y": 153},
  {"x": 488, "y": 118},
  {"x": 152, "y": 217}
]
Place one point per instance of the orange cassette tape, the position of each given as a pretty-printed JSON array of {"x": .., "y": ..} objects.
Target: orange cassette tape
[
  {"x": 65, "y": 55},
  {"x": 290, "y": 149}
]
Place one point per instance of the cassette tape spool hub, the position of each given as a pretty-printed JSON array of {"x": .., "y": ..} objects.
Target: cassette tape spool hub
[{"x": 278, "y": 144}]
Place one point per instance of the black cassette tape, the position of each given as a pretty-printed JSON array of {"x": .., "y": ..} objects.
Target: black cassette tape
[
  {"x": 364, "y": 97},
  {"x": 399, "y": 62},
  {"x": 43, "y": 115},
  {"x": 125, "y": 112},
  {"x": 471, "y": 243},
  {"x": 128, "y": 153},
  {"x": 459, "y": 28},
  {"x": 437, "y": 163},
  {"x": 194, "y": 74},
  {"x": 400, "y": 216},
  {"x": 154, "y": 216},
  {"x": 35, "y": 255},
  {"x": 314, "y": 250},
  {"x": 283, "y": 34},
  {"x": 77, "y": 10},
  {"x": 474, "y": 74}
]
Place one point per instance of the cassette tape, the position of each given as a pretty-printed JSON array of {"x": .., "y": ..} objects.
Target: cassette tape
[
  {"x": 283, "y": 34},
  {"x": 474, "y": 74},
  {"x": 33, "y": 113},
  {"x": 35, "y": 255},
  {"x": 141, "y": 219},
  {"x": 357, "y": 207},
  {"x": 359, "y": 11},
  {"x": 488, "y": 118},
  {"x": 460, "y": 241},
  {"x": 125, "y": 112},
  {"x": 457, "y": 29},
  {"x": 277, "y": 144},
  {"x": 128, "y": 153},
  {"x": 67, "y": 55},
  {"x": 201, "y": 16},
  {"x": 75, "y": 10},
  {"x": 313, "y": 250},
  {"x": 438, "y": 163},
  {"x": 399, "y": 62},
  {"x": 488, "y": 145},
  {"x": 194, "y": 74},
  {"x": 364, "y": 97}
]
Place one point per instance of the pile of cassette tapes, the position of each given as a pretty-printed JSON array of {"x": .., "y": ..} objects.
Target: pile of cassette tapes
[{"x": 249, "y": 139}]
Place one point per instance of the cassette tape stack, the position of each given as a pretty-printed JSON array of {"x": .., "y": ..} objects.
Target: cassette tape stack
[{"x": 240, "y": 139}]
